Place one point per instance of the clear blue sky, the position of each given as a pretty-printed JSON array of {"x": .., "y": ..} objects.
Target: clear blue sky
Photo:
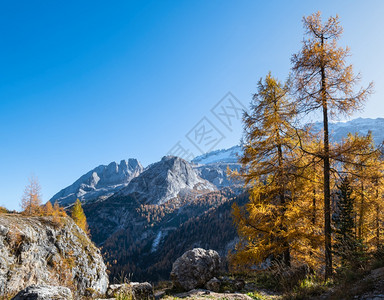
[{"x": 84, "y": 83}]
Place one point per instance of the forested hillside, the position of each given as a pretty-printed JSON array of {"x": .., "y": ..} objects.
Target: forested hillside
[{"x": 145, "y": 239}]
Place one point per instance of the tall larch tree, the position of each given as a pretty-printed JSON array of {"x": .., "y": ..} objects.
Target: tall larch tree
[
  {"x": 31, "y": 199},
  {"x": 78, "y": 216},
  {"x": 267, "y": 166},
  {"x": 324, "y": 81}
]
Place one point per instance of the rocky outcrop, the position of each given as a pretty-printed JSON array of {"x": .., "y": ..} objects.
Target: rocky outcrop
[
  {"x": 137, "y": 290},
  {"x": 200, "y": 294},
  {"x": 142, "y": 291},
  {"x": 195, "y": 268},
  {"x": 39, "y": 251},
  {"x": 213, "y": 285},
  {"x": 217, "y": 174},
  {"x": 165, "y": 180},
  {"x": 44, "y": 292},
  {"x": 100, "y": 183}
]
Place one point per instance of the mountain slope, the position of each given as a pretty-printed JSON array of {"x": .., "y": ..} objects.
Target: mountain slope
[{"x": 157, "y": 234}]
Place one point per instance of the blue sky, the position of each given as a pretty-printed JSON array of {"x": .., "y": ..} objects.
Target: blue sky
[{"x": 84, "y": 83}]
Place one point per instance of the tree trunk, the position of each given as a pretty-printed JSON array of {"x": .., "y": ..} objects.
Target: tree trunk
[
  {"x": 283, "y": 227},
  {"x": 377, "y": 221},
  {"x": 327, "y": 189},
  {"x": 362, "y": 214}
]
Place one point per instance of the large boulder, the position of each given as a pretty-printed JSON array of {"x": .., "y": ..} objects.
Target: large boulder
[
  {"x": 44, "y": 292},
  {"x": 43, "y": 250},
  {"x": 195, "y": 268}
]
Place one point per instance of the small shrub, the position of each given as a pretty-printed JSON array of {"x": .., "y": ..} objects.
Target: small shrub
[
  {"x": 378, "y": 258},
  {"x": 125, "y": 293},
  {"x": 308, "y": 288},
  {"x": 123, "y": 277},
  {"x": 14, "y": 239},
  {"x": 8, "y": 296},
  {"x": 264, "y": 280},
  {"x": 256, "y": 296},
  {"x": 62, "y": 271},
  {"x": 163, "y": 285}
]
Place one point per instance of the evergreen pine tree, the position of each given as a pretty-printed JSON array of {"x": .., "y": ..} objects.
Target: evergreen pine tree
[{"x": 344, "y": 220}]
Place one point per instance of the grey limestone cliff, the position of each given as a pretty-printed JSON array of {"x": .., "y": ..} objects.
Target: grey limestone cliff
[{"x": 39, "y": 250}]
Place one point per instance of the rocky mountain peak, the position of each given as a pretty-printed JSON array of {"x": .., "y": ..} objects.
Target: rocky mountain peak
[
  {"x": 165, "y": 180},
  {"x": 100, "y": 183}
]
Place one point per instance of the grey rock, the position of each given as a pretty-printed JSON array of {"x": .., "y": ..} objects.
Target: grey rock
[
  {"x": 99, "y": 183},
  {"x": 213, "y": 285},
  {"x": 378, "y": 273},
  {"x": 217, "y": 174},
  {"x": 38, "y": 251},
  {"x": 44, "y": 292},
  {"x": 165, "y": 180},
  {"x": 239, "y": 285},
  {"x": 204, "y": 294},
  {"x": 142, "y": 291},
  {"x": 195, "y": 268},
  {"x": 139, "y": 291},
  {"x": 3, "y": 230},
  {"x": 115, "y": 289}
]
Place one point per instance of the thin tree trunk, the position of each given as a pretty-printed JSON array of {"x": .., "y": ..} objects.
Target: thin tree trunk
[
  {"x": 314, "y": 207},
  {"x": 327, "y": 189},
  {"x": 286, "y": 253},
  {"x": 362, "y": 212},
  {"x": 377, "y": 221}
]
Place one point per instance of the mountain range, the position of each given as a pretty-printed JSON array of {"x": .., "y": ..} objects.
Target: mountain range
[
  {"x": 99, "y": 183},
  {"x": 145, "y": 217}
]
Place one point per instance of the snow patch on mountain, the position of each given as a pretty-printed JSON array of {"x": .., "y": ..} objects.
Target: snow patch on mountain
[
  {"x": 223, "y": 156},
  {"x": 156, "y": 241}
]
